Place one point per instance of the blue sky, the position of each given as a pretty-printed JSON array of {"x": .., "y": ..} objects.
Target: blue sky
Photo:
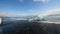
[{"x": 22, "y": 7}]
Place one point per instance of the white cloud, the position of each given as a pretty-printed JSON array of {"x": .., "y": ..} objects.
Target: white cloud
[
  {"x": 32, "y": 12},
  {"x": 41, "y": 0},
  {"x": 4, "y": 14},
  {"x": 21, "y": 0},
  {"x": 49, "y": 12}
]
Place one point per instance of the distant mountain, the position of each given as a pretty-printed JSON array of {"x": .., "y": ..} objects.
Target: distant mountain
[{"x": 53, "y": 17}]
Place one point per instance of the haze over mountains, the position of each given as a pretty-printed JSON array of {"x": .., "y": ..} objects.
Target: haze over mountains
[
  {"x": 53, "y": 18},
  {"x": 11, "y": 17},
  {"x": 51, "y": 15}
]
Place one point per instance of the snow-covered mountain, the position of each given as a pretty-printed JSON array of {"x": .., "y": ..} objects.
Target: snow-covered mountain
[
  {"x": 54, "y": 16},
  {"x": 10, "y": 17}
]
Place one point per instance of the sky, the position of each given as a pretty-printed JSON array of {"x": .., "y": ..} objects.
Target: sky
[{"x": 26, "y": 7}]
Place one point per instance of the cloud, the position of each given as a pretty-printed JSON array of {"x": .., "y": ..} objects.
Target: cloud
[
  {"x": 32, "y": 12},
  {"x": 5, "y": 14},
  {"x": 21, "y": 0},
  {"x": 41, "y": 0},
  {"x": 49, "y": 12}
]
